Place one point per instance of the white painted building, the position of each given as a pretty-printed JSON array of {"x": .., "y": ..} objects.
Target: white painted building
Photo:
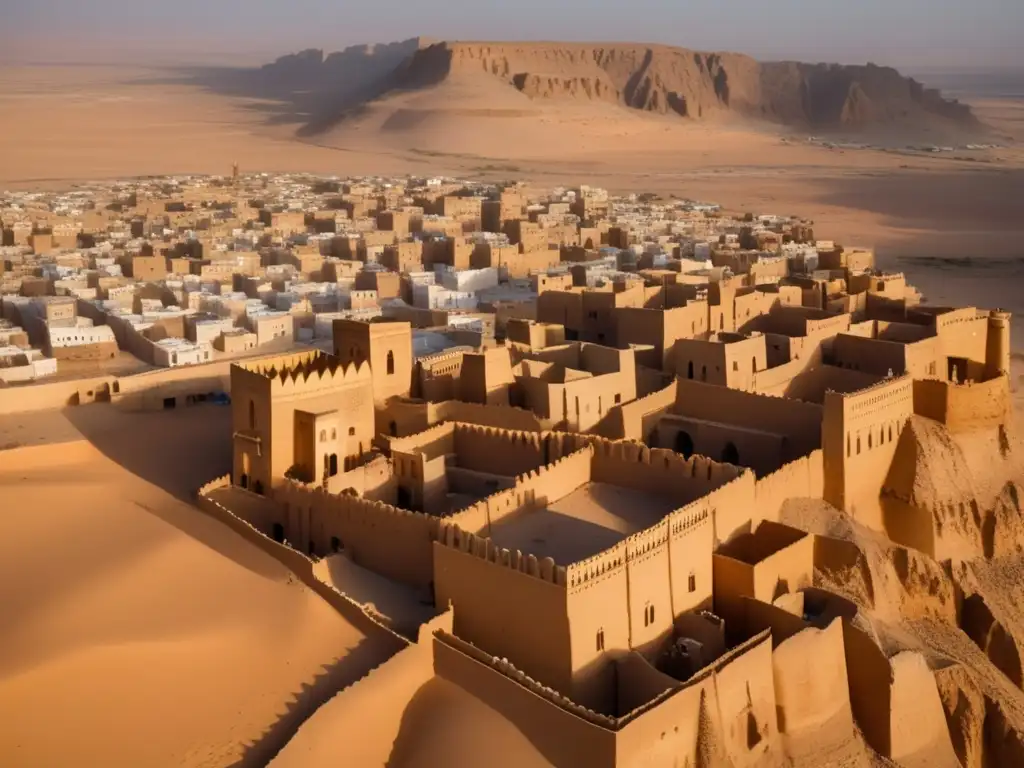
[
  {"x": 469, "y": 280},
  {"x": 206, "y": 329},
  {"x": 17, "y": 364},
  {"x": 173, "y": 352},
  {"x": 439, "y": 297},
  {"x": 81, "y": 335}
]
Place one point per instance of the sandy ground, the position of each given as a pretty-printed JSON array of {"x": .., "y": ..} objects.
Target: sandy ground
[
  {"x": 101, "y": 122},
  {"x": 138, "y": 631}
]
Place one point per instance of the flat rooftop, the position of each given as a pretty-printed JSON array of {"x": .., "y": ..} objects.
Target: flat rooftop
[{"x": 591, "y": 519}]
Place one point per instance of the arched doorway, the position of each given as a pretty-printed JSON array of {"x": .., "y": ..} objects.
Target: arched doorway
[
  {"x": 689, "y": 370},
  {"x": 731, "y": 454},
  {"x": 277, "y": 533},
  {"x": 684, "y": 444},
  {"x": 391, "y": 363}
]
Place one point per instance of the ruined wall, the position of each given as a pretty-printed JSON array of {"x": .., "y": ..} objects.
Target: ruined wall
[
  {"x": 373, "y": 480},
  {"x": 732, "y": 508},
  {"x": 811, "y": 681},
  {"x": 393, "y": 542},
  {"x": 870, "y": 354},
  {"x": 799, "y": 422},
  {"x": 918, "y": 731},
  {"x": 407, "y": 417},
  {"x": 146, "y": 390},
  {"x": 731, "y": 701},
  {"x": 745, "y": 691},
  {"x": 654, "y": 470},
  {"x": 785, "y": 380},
  {"x": 660, "y": 730},
  {"x": 532, "y": 489},
  {"x": 870, "y": 678},
  {"x": 529, "y": 625},
  {"x": 299, "y": 564},
  {"x": 802, "y": 478},
  {"x": 434, "y": 441},
  {"x": 638, "y": 419},
  {"x": 785, "y": 572},
  {"x": 963, "y": 333},
  {"x": 41, "y": 397},
  {"x": 499, "y": 452},
  {"x": 812, "y": 382},
  {"x": 918, "y": 358},
  {"x": 964, "y": 407},
  {"x": 547, "y": 484},
  {"x": 764, "y": 566},
  {"x": 488, "y": 415}
]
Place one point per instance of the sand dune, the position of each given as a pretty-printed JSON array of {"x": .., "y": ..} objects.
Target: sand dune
[{"x": 129, "y": 642}]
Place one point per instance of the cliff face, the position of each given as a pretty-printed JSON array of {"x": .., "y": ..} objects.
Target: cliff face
[{"x": 677, "y": 81}]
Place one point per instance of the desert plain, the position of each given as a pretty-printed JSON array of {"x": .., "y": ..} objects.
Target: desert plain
[{"x": 138, "y": 631}]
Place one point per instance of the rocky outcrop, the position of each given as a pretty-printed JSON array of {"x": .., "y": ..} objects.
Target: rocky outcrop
[{"x": 692, "y": 84}]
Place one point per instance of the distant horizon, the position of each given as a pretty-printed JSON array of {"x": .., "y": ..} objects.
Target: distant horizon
[
  {"x": 903, "y": 34},
  {"x": 179, "y": 57}
]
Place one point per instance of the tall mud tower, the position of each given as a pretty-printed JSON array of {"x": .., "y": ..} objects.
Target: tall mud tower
[{"x": 997, "y": 346}]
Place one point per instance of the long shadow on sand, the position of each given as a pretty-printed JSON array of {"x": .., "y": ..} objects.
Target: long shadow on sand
[
  {"x": 332, "y": 679},
  {"x": 177, "y": 452},
  {"x": 307, "y": 89},
  {"x": 969, "y": 199}
]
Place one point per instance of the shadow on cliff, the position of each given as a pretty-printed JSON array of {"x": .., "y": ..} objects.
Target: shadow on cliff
[
  {"x": 331, "y": 680},
  {"x": 307, "y": 90}
]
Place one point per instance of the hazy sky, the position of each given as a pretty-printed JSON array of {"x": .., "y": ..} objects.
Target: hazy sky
[{"x": 913, "y": 33}]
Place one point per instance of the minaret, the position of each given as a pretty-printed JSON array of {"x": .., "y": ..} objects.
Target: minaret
[{"x": 997, "y": 345}]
